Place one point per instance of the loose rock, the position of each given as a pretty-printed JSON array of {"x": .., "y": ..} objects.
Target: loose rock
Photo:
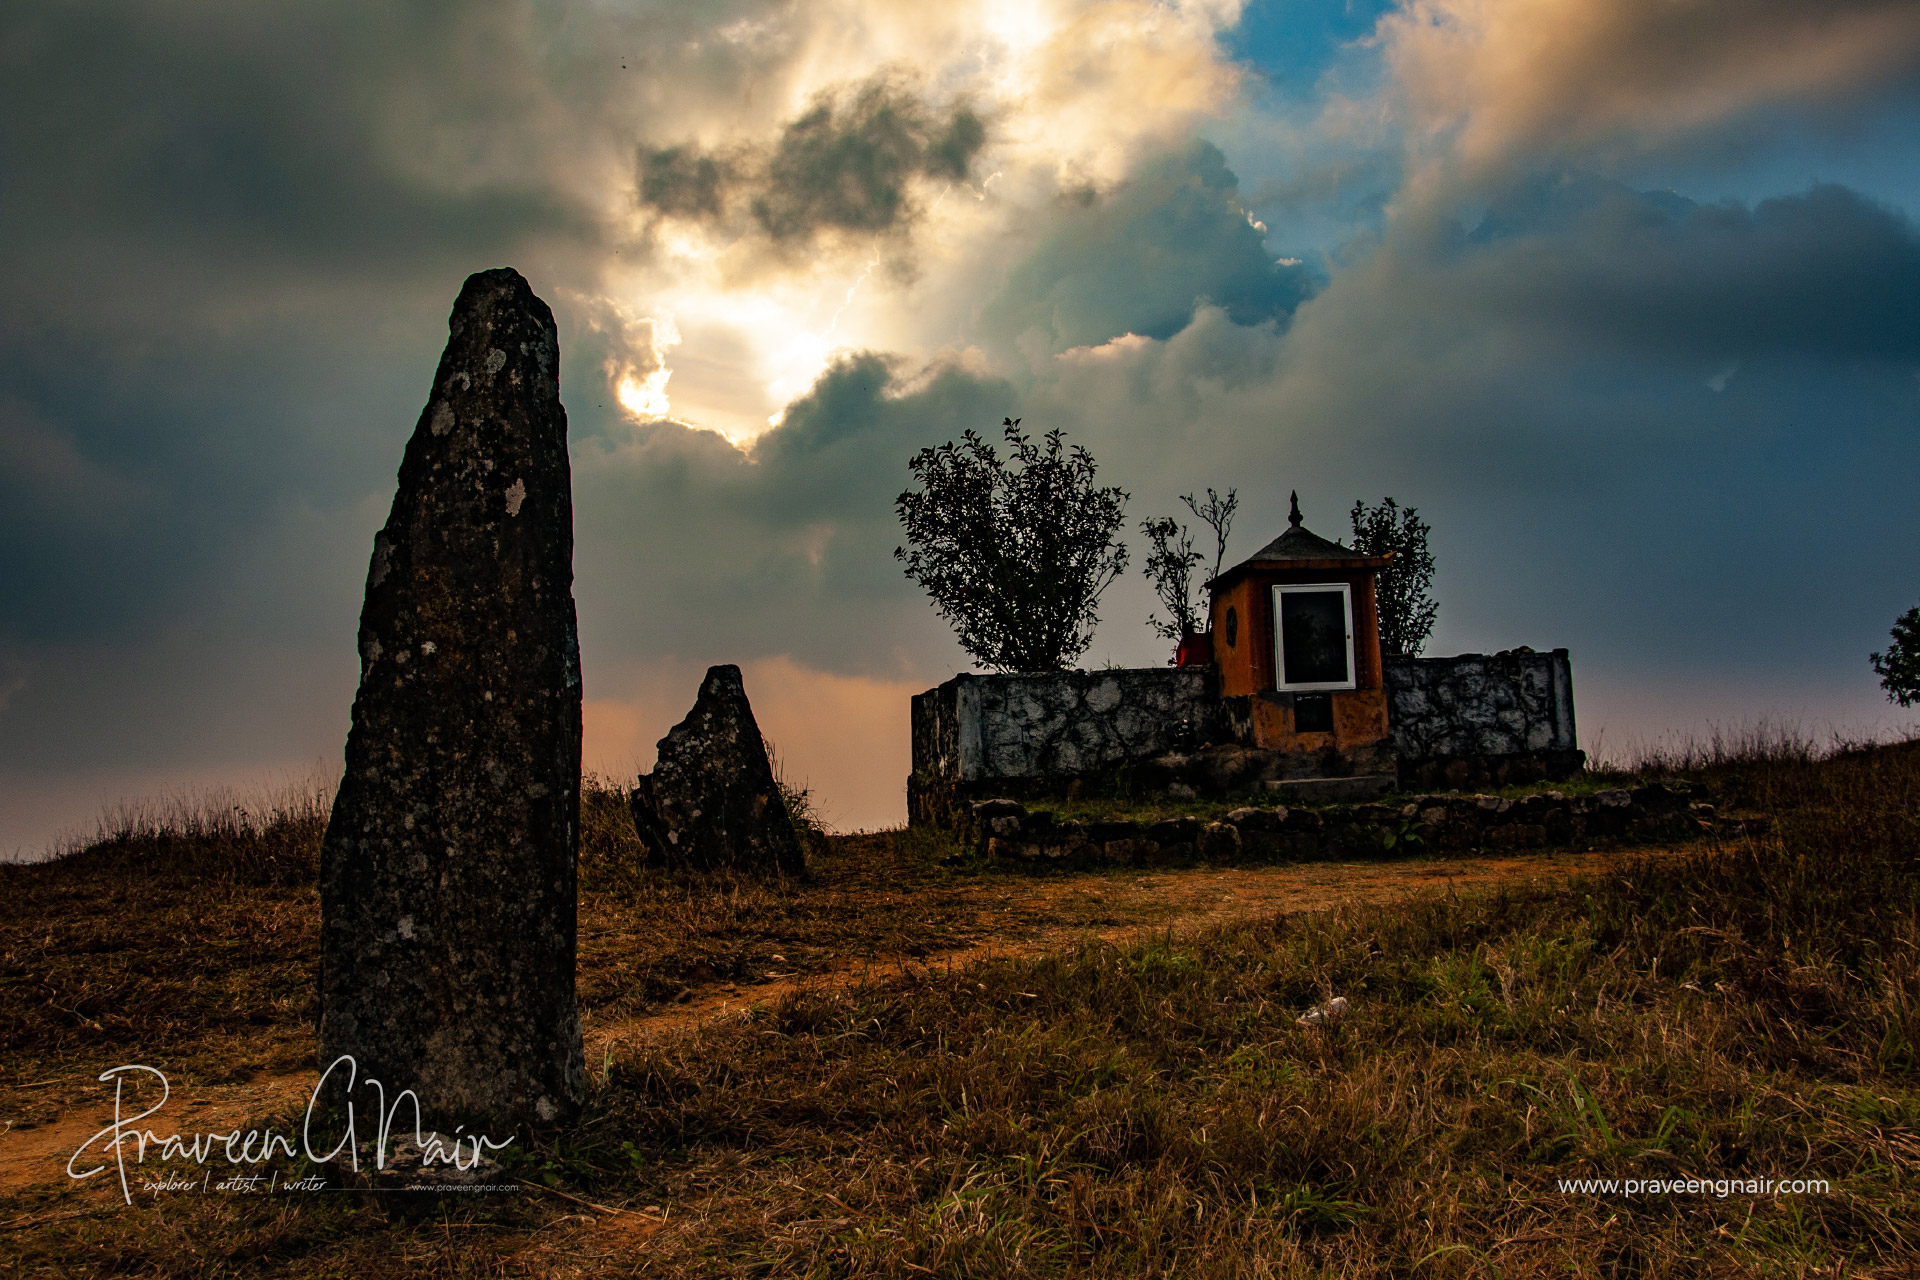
[{"x": 1325, "y": 1015}]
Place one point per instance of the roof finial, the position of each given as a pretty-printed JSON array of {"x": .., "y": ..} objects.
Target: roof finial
[{"x": 1293, "y": 517}]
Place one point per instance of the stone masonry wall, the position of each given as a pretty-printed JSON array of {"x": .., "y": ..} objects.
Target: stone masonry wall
[
  {"x": 1478, "y": 719},
  {"x": 1063, "y": 724},
  {"x": 1469, "y": 721}
]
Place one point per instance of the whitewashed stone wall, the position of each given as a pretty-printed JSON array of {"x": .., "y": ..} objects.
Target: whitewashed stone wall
[
  {"x": 1518, "y": 703},
  {"x": 1456, "y": 722},
  {"x": 1062, "y": 724}
]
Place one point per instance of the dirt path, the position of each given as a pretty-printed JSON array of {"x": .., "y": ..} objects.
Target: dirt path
[
  {"x": 1186, "y": 898},
  {"x": 39, "y": 1155},
  {"x": 1180, "y": 899}
]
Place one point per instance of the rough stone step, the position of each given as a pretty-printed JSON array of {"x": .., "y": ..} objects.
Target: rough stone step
[{"x": 1368, "y": 786}]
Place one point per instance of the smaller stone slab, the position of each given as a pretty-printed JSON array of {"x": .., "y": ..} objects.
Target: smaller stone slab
[{"x": 711, "y": 801}]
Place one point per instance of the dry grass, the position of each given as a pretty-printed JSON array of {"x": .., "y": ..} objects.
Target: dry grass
[
  {"x": 186, "y": 927},
  {"x": 646, "y": 935},
  {"x": 190, "y": 930},
  {"x": 1737, "y": 745},
  {"x": 1153, "y": 1110}
]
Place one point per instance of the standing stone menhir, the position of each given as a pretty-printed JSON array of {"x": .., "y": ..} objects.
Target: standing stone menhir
[
  {"x": 447, "y": 879},
  {"x": 711, "y": 801}
]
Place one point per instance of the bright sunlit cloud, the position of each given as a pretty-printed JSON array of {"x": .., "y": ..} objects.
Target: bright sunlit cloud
[{"x": 1067, "y": 96}]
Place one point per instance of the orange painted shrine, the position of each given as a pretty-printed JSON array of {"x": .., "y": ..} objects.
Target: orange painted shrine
[{"x": 1296, "y": 632}]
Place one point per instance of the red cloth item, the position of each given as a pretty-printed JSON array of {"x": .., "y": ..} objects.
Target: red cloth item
[{"x": 1194, "y": 651}]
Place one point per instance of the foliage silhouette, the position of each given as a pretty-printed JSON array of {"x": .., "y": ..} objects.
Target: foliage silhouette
[
  {"x": 1171, "y": 561},
  {"x": 1015, "y": 556},
  {"x": 1402, "y": 592},
  {"x": 1899, "y": 667}
]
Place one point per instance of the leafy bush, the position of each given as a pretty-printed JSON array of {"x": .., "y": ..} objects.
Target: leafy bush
[
  {"x": 1407, "y": 607},
  {"x": 1172, "y": 560},
  {"x": 1015, "y": 558},
  {"x": 1899, "y": 666}
]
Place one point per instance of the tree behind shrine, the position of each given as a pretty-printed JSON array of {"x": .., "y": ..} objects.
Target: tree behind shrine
[{"x": 1015, "y": 556}]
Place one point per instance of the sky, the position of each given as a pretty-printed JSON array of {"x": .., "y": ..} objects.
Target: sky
[{"x": 1622, "y": 295}]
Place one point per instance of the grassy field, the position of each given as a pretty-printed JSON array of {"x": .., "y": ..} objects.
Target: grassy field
[{"x": 1752, "y": 1011}]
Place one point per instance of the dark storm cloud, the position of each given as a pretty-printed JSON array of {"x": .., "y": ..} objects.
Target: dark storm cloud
[
  {"x": 232, "y": 233},
  {"x": 1138, "y": 259},
  {"x": 168, "y": 158},
  {"x": 139, "y": 466},
  {"x": 1523, "y": 79},
  {"x": 230, "y": 240},
  {"x": 850, "y": 164},
  {"x": 1560, "y": 323},
  {"x": 782, "y": 550},
  {"x": 1675, "y": 437},
  {"x": 685, "y": 183},
  {"x": 1824, "y": 273}
]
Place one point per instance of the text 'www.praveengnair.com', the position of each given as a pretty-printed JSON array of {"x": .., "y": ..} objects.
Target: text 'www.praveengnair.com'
[{"x": 1719, "y": 1187}]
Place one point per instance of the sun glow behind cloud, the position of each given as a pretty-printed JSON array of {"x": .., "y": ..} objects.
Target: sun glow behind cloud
[
  {"x": 645, "y": 396},
  {"x": 646, "y": 400},
  {"x": 763, "y": 346},
  {"x": 1068, "y": 95}
]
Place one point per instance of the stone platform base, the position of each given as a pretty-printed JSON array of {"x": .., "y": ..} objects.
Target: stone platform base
[
  {"x": 1214, "y": 772},
  {"x": 1007, "y": 830}
]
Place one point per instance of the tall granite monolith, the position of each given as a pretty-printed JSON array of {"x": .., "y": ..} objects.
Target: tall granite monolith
[
  {"x": 447, "y": 878},
  {"x": 711, "y": 801}
]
